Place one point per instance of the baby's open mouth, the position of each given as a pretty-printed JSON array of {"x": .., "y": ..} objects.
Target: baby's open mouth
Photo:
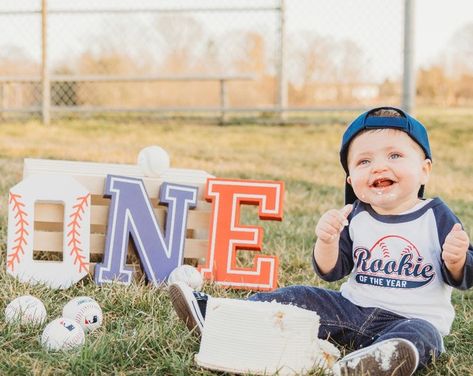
[{"x": 381, "y": 183}]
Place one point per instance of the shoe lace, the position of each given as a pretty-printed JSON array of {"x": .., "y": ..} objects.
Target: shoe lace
[{"x": 200, "y": 296}]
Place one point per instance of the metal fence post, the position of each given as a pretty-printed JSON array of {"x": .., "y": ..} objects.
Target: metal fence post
[
  {"x": 223, "y": 101},
  {"x": 2, "y": 100},
  {"x": 409, "y": 81},
  {"x": 281, "y": 63},
  {"x": 46, "y": 89}
]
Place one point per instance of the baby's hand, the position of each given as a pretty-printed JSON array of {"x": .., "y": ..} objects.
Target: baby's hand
[
  {"x": 455, "y": 248},
  {"x": 331, "y": 224}
]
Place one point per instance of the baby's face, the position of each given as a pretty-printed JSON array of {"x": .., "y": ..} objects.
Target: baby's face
[{"x": 386, "y": 169}]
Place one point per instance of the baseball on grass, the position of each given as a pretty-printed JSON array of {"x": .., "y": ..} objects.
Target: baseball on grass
[
  {"x": 153, "y": 160},
  {"x": 62, "y": 334},
  {"x": 187, "y": 274},
  {"x": 25, "y": 309},
  {"x": 85, "y": 311}
]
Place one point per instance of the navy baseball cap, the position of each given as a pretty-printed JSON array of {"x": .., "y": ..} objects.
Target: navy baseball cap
[{"x": 405, "y": 123}]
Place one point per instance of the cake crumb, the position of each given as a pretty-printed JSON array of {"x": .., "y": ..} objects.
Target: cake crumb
[
  {"x": 279, "y": 319},
  {"x": 384, "y": 354}
]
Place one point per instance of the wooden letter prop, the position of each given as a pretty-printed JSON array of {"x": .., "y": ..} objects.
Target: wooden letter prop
[
  {"x": 131, "y": 213},
  {"x": 21, "y": 216},
  {"x": 227, "y": 236}
]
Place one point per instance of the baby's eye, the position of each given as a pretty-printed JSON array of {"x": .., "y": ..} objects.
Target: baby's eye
[
  {"x": 395, "y": 155},
  {"x": 363, "y": 162}
]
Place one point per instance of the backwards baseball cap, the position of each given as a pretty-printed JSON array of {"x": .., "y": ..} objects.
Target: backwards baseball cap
[{"x": 405, "y": 123}]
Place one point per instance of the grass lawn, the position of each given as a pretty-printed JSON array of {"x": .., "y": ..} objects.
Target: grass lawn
[{"x": 141, "y": 334}]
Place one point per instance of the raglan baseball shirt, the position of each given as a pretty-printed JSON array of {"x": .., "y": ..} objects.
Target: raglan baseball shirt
[{"x": 395, "y": 263}]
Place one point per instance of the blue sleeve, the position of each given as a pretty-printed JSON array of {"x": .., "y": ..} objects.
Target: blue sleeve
[
  {"x": 344, "y": 263},
  {"x": 445, "y": 220}
]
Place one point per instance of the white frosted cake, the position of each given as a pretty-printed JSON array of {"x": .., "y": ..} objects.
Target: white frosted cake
[{"x": 244, "y": 336}]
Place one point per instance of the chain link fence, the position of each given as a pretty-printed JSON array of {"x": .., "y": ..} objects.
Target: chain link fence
[{"x": 211, "y": 58}]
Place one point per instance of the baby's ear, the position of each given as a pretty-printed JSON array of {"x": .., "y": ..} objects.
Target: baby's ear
[
  {"x": 426, "y": 170},
  {"x": 349, "y": 180}
]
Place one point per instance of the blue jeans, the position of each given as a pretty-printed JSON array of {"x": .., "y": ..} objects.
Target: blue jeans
[{"x": 347, "y": 324}]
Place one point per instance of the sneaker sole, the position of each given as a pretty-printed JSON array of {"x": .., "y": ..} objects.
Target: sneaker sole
[
  {"x": 184, "y": 310},
  {"x": 408, "y": 366},
  {"x": 405, "y": 351}
]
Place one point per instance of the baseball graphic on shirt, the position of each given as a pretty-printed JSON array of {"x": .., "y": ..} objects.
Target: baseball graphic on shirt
[
  {"x": 392, "y": 262},
  {"x": 153, "y": 160},
  {"x": 62, "y": 334},
  {"x": 26, "y": 310},
  {"x": 394, "y": 246},
  {"x": 187, "y": 274},
  {"x": 85, "y": 311}
]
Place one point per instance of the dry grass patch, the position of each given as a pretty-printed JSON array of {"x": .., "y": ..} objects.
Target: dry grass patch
[{"x": 141, "y": 334}]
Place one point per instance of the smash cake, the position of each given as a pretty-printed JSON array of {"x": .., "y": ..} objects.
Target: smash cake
[{"x": 263, "y": 338}]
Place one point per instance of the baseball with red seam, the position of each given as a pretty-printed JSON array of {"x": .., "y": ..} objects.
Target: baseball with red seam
[
  {"x": 26, "y": 310},
  {"x": 85, "y": 311},
  {"x": 62, "y": 334},
  {"x": 187, "y": 274}
]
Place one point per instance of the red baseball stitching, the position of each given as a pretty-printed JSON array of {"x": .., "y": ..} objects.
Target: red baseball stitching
[
  {"x": 384, "y": 249},
  {"x": 407, "y": 249},
  {"x": 73, "y": 341},
  {"x": 20, "y": 227},
  {"x": 76, "y": 340},
  {"x": 74, "y": 233},
  {"x": 80, "y": 315}
]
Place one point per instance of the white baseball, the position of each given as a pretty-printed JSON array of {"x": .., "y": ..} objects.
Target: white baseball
[
  {"x": 85, "y": 311},
  {"x": 25, "y": 309},
  {"x": 187, "y": 274},
  {"x": 153, "y": 160},
  {"x": 62, "y": 334}
]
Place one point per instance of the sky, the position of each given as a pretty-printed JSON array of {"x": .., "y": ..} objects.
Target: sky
[
  {"x": 378, "y": 26},
  {"x": 375, "y": 25},
  {"x": 436, "y": 23}
]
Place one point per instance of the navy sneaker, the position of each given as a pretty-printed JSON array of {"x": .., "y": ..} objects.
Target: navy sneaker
[
  {"x": 189, "y": 305},
  {"x": 392, "y": 357}
]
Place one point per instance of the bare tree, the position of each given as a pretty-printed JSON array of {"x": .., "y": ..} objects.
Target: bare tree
[
  {"x": 181, "y": 39},
  {"x": 459, "y": 53}
]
